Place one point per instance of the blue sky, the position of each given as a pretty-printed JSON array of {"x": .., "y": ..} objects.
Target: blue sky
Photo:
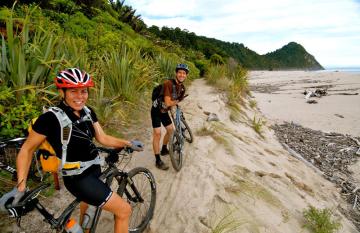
[{"x": 329, "y": 30}]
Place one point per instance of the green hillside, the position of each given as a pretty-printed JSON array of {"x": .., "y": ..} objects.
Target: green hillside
[
  {"x": 125, "y": 57},
  {"x": 291, "y": 56},
  {"x": 105, "y": 38}
]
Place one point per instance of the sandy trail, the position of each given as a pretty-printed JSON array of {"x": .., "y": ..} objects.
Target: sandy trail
[{"x": 228, "y": 170}]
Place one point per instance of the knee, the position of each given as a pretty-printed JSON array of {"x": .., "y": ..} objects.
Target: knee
[
  {"x": 169, "y": 130},
  {"x": 127, "y": 210},
  {"x": 124, "y": 212},
  {"x": 157, "y": 135}
]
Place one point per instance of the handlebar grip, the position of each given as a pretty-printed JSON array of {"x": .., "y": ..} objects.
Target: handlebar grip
[{"x": 32, "y": 194}]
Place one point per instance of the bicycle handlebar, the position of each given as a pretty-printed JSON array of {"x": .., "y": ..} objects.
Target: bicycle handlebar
[
  {"x": 113, "y": 153},
  {"x": 27, "y": 203},
  {"x": 13, "y": 141}
]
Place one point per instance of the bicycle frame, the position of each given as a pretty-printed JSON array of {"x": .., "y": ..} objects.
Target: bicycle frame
[
  {"x": 177, "y": 124},
  {"x": 17, "y": 142},
  {"x": 59, "y": 223},
  {"x": 107, "y": 175}
]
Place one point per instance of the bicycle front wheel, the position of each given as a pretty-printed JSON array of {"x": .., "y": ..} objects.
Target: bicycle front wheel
[
  {"x": 139, "y": 190},
  {"x": 186, "y": 131},
  {"x": 176, "y": 151}
]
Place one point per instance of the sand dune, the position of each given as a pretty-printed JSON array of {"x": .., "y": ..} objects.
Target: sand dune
[{"x": 231, "y": 169}]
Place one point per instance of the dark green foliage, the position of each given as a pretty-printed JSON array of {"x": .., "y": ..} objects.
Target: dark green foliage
[
  {"x": 63, "y": 6},
  {"x": 216, "y": 59},
  {"x": 202, "y": 66},
  {"x": 16, "y": 115},
  {"x": 79, "y": 25}
]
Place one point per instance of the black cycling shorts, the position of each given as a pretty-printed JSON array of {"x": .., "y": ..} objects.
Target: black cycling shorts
[
  {"x": 158, "y": 118},
  {"x": 87, "y": 187}
]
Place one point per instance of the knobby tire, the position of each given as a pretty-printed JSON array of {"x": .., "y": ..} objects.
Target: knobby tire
[{"x": 142, "y": 211}]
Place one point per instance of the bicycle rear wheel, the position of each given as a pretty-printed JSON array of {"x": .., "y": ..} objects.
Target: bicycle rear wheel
[
  {"x": 186, "y": 131},
  {"x": 141, "y": 195},
  {"x": 176, "y": 151}
]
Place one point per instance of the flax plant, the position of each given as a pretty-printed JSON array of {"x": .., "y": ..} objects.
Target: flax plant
[
  {"x": 166, "y": 65},
  {"x": 27, "y": 61},
  {"x": 119, "y": 75}
]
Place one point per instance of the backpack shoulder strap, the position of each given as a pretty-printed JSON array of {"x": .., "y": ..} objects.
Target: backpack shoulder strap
[
  {"x": 66, "y": 129},
  {"x": 174, "y": 94},
  {"x": 87, "y": 115}
]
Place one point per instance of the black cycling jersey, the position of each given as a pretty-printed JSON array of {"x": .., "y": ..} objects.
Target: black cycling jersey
[
  {"x": 81, "y": 146},
  {"x": 86, "y": 186}
]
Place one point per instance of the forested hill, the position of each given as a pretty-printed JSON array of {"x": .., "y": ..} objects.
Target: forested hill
[{"x": 291, "y": 56}]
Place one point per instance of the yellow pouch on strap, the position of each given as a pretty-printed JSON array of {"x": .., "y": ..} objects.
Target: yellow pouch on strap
[{"x": 71, "y": 166}]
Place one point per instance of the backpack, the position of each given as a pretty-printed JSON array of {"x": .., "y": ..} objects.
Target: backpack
[
  {"x": 46, "y": 153},
  {"x": 158, "y": 91}
]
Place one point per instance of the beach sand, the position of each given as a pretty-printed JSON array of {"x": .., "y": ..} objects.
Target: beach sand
[{"x": 279, "y": 96}]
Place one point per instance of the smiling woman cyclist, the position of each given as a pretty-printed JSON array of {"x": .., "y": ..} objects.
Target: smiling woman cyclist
[{"x": 73, "y": 85}]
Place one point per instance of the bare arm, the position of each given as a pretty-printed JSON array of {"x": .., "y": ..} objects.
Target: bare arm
[
  {"x": 24, "y": 157},
  {"x": 169, "y": 102},
  {"x": 108, "y": 140}
]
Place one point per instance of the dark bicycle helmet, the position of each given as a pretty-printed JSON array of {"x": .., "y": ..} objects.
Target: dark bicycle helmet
[
  {"x": 73, "y": 78},
  {"x": 182, "y": 66}
]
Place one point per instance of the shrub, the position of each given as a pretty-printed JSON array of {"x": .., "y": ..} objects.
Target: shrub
[
  {"x": 15, "y": 118},
  {"x": 79, "y": 25},
  {"x": 216, "y": 59},
  {"x": 319, "y": 221}
]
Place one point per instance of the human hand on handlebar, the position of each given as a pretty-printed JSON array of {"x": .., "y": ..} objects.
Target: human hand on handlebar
[
  {"x": 182, "y": 97},
  {"x": 136, "y": 145},
  {"x": 13, "y": 197}
]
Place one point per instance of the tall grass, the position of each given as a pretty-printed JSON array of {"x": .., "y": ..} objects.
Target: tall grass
[
  {"x": 27, "y": 59},
  {"x": 257, "y": 125},
  {"x": 166, "y": 66},
  {"x": 216, "y": 75},
  {"x": 227, "y": 223},
  {"x": 232, "y": 79},
  {"x": 320, "y": 220},
  {"x": 120, "y": 74},
  {"x": 122, "y": 78}
]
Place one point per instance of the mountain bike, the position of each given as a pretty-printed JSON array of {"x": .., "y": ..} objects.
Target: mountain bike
[
  {"x": 182, "y": 131},
  {"x": 137, "y": 187},
  {"x": 9, "y": 148},
  {"x": 8, "y": 151}
]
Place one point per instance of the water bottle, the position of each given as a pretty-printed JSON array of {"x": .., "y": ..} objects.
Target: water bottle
[
  {"x": 88, "y": 217},
  {"x": 73, "y": 227}
]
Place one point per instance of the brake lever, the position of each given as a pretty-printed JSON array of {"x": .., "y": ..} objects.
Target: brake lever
[{"x": 128, "y": 150}]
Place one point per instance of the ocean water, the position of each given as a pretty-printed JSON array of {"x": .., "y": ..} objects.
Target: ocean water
[{"x": 342, "y": 69}]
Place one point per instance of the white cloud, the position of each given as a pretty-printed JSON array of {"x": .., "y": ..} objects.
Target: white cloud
[{"x": 328, "y": 29}]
